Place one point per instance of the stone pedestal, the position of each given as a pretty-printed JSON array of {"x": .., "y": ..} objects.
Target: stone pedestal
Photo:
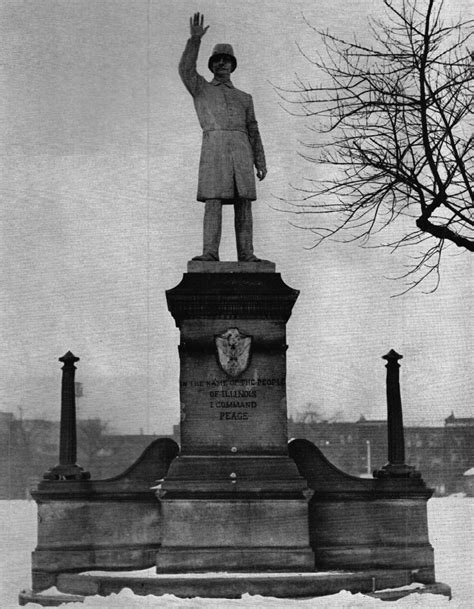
[{"x": 233, "y": 499}]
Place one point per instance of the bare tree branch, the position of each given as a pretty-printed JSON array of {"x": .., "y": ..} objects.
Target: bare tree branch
[{"x": 393, "y": 120}]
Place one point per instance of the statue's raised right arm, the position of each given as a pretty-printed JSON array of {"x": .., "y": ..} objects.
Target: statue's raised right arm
[{"x": 187, "y": 65}]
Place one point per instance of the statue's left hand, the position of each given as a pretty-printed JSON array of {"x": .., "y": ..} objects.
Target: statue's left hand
[{"x": 261, "y": 173}]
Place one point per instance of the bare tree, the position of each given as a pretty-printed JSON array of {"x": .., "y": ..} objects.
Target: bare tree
[
  {"x": 394, "y": 119},
  {"x": 313, "y": 414}
]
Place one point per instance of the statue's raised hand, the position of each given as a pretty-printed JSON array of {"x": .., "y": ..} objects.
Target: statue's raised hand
[{"x": 196, "y": 25}]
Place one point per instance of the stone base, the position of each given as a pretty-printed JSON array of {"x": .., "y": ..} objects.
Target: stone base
[
  {"x": 46, "y": 564},
  {"x": 387, "y": 556},
  {"x": 66, "y": 472},
  {"x": 397, "y": 470},
  {"x": 195, "y": 560},
  {"x": 395, "y": 595},
  {"x": 75, "y": 587},
  {"x": 234, "y": 535},
  {"x": 225, "y": 476},
  {"x": 358, "y": 523},
  {"x": 48, "y": 600},
  {"x": 110, "y": 524}
]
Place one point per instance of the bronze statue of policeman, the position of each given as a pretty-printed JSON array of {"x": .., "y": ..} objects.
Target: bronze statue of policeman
[{"x": 231, "y": 145}]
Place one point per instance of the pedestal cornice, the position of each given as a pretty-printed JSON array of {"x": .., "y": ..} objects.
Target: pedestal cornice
[{"x": 231, "y": 295}]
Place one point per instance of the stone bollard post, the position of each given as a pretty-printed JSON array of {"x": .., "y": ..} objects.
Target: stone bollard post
[
  {"x": 67, "y": 468},
  {"x": 396, "y": 465},
  {"x": 396, "y": 439}
]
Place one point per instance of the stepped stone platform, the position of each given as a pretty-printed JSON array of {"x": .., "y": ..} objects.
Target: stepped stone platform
[{"x": 392, "y": 584}]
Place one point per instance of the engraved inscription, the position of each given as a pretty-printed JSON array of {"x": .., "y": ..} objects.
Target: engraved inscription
[{"x": 233, "y": 399}]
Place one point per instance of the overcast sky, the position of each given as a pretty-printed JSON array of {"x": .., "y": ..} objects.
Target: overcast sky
[{"x": 99, "y": 171}]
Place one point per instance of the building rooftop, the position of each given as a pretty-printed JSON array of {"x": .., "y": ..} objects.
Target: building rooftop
[{"x": 459, "y": 421}]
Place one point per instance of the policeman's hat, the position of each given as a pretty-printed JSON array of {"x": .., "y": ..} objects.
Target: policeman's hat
[{"x": 223, "y": 49}]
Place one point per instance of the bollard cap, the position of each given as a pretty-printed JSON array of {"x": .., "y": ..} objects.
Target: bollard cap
[
  {"x": 392, "y": 355},
  {"x": 69, "y": 357}
]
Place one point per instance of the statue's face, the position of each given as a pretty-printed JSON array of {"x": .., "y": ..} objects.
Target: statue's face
[{"x": 221, "y": 65}]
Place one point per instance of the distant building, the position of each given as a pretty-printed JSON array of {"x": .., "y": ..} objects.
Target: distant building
[
  {"x": 6, "y": 451},
  {"x": 458, "y": 448},
  {"x": 29, "y": 447},
  {"x": 453, "y": 421},
  {"x": 441, "y": 454}
]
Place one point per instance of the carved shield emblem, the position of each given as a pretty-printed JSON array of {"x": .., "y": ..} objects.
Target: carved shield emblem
[{"x": 233, "y": 351}]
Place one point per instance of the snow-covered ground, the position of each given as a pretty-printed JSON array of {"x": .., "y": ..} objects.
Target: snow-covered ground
[{"x": 450, "y": 522}]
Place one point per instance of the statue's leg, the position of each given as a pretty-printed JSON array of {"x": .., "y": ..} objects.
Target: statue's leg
[
  {"x": 244, "y": 230},
  {"x": 212, "y": 230}
]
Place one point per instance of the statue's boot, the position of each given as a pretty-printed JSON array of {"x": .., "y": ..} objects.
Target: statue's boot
[
  {"x": 207, "y": 258},
  {"x": 212, "y": 230},
  {"x": 251, "y": 258}
]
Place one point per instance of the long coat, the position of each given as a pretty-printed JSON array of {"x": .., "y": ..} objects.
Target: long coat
[{"x": 231, "y": 143}]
